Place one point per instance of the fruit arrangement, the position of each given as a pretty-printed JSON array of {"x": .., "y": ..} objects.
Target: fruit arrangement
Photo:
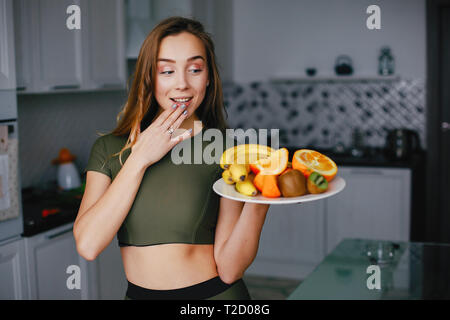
[{"x": 255, "y": 169}]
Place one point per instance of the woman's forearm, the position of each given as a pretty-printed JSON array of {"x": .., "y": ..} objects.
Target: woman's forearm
[{"x": 239, "y": 251}]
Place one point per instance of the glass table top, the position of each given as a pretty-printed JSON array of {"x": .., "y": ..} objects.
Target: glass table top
[{"x": 360, "y": 269}]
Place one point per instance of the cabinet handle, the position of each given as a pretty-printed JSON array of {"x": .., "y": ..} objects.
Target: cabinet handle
[
  {"x": 21, "y": 88},
  {"x": 52, "y": 236},
  {"x": 362, "y": 171},
  {"x": 445, "y": 126},
  {"x": 62, "y": 87},
  {"x": 111, "y": 86}
]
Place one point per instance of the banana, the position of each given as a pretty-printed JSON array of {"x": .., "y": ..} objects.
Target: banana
[
  {"x": 238, "y": 172},
  {"x": 226, "y": 175},
  {"x": 246, "y": 187},
  {"x": 244, "y": 154}
]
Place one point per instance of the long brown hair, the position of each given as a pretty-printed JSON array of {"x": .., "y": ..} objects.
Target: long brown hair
[{"x": 141, "y": 106}]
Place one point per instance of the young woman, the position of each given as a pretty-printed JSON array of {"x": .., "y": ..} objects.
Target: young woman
[{"x": 178, "y": 239}]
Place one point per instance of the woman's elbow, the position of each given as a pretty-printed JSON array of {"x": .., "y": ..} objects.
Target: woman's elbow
[
  {"x": 84, "y": 249},
  {"x": 85, "y": 252},
  {"x": 229, "y": 279},
  {"x": 228, "y": 276}
]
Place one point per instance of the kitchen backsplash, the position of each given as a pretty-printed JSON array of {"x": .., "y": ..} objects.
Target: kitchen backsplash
[{"x": 324, "y": 113}]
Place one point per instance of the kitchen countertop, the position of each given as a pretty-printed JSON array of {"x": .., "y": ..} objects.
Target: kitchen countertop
[
  {"x": 48, "y": 207},
  {"x": 373, "y": 157}
]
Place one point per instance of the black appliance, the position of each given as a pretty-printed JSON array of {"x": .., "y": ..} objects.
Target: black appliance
[
  {"x": 343, "y": 65},
  {"x": 401, "y": 144}
]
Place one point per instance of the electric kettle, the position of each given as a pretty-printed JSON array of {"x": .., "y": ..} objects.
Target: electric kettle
[{"x": 401, "y": 144}]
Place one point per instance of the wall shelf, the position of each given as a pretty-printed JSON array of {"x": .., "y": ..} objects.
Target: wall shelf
[{"x": 332, "y": 79}]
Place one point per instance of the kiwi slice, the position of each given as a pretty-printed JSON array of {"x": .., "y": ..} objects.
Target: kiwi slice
[{"x": 317, "y": 183}]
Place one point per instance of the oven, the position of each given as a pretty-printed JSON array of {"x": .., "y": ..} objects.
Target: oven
[{"x": 11, "y": 222}]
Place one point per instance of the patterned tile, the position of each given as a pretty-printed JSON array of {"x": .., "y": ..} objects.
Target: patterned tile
[{"x": 326, "y": 113}]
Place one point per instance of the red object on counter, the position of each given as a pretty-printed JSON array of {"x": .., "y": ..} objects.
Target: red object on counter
[{"x": 47, "y": 212}]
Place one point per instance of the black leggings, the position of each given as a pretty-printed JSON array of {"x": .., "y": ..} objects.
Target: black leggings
[{"x": 212, "y": 289}]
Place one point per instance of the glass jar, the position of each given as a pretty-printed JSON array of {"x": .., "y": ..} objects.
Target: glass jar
[{"x": 386, "y": 64}]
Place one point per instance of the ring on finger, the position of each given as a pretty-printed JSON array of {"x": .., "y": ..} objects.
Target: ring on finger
[{"x": 170, "y": 130}]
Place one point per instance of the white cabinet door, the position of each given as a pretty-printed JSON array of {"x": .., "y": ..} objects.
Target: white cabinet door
[
  {"x": 52, "y": 261},
  {"x": 166, "y": 8},
  {"x": 292, "y": 241},
  {"x": 375, "y": 204},
  {"x": 104, "y": 44},
  {"x": 57, "y": 52},
  {"x": 54, "y": 58},
  {"x": 143, "y": 15},
  {"x": 7, "y": 60},
  {"x": 13, "y": 274},
  {"x": 111, "y": 279}
]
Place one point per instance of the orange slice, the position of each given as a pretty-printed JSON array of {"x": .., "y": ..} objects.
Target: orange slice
[
  {"x": 270, "y": 187},
  {"x": 273, "y": 165},
  {"x": 258, "y": 182},
  {"x": 308, "y": 161}
]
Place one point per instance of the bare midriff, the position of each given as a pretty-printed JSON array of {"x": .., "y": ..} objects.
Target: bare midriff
[{"x": 169, "y": 266}]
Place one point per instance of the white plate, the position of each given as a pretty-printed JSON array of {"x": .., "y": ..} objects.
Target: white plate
[{"x": 229, "y": 191}]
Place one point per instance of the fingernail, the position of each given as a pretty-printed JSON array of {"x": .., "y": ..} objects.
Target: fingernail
[
  {"x": 185, "y": 112},
  {"x": 183, "y": 106},
  {"x": 174, "y": 106},
  {"x": 190, "y": 130}
]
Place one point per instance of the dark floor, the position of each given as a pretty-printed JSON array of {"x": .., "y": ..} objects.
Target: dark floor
[{"x": 270, "y": 288}]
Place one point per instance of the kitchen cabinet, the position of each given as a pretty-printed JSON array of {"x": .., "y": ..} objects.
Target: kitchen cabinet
[
  {"x": 292, "y": 241},
  {"x": 110, "y": 276},
  {"x": 50, "y": 260},
  {"x": 13, "y": 275},
  {"x": 143, "y": 15},
  {"x": 216, "y": 17},
  {"x": 52, "y": 264},
  {"x": 54, "y": 58},
  {"x": 52, "y": 55},
  {"x": 375, "y": 204},
  {"x": 7, "y": 58},
  {"x": 103, "y": 36}
]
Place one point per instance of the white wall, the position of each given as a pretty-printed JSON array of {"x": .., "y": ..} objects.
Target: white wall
[
  {"x": 49, "y": 122},
  {"x": 286, "y": 36}
]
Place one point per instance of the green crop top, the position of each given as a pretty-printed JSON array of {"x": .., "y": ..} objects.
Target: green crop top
[{"x": 174, "y": 203}]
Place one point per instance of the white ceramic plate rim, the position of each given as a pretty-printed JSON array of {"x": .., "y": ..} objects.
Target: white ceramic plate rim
[{"x": 229, "y": 191}]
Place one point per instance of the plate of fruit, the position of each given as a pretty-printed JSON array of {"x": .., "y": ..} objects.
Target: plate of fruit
[{"x": 260, "y": 174}]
